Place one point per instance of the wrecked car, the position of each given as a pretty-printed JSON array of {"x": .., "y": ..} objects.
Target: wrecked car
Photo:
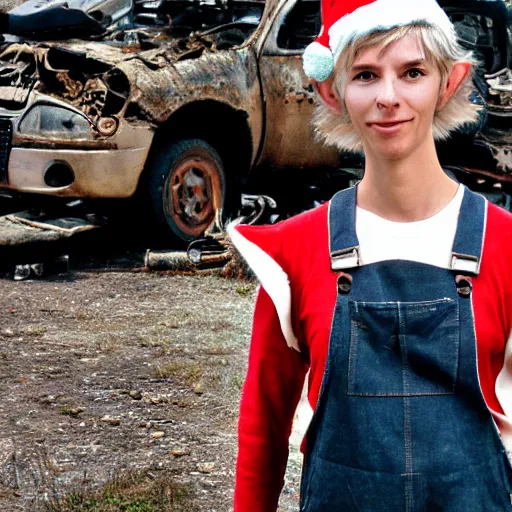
[{"x": 184, "y": 104}]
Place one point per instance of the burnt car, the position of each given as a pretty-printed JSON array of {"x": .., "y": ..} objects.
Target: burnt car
[{"x": 184, "y": 104}]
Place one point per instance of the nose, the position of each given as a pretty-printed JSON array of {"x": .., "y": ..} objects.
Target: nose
[{"x": 387, "y": 97}]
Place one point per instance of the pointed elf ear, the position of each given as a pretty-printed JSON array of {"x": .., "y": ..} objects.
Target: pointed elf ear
[
  {"x": 456, "y": 78},
  {"x": 328, "y": 94}
]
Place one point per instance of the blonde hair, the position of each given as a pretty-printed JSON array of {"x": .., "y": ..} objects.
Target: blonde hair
[{"x": 336, "y": 129}]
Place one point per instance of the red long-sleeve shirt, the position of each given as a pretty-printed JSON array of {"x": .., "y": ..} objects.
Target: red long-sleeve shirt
[{"x": 276, "y": 372}]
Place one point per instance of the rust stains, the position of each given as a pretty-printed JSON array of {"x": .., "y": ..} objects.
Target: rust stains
[{"x": 103, "y": 80}]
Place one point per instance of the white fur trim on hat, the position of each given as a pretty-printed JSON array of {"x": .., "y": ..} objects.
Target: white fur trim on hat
[
  {"x": 318, "y": 62},
  {"x": 385, "y": 15}
]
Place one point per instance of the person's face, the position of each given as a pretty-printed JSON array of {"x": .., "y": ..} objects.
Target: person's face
[{"x": 392, "y": 98}]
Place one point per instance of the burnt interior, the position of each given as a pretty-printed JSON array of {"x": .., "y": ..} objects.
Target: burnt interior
[
  {"x": 189, "y": 27},
  {"x": 180, "y": 18},
  {"x": 66, "y": 73},
  {"x": 94, "y": 87},
  {"x": 117, "y": 93},
  {"x": 17, "y": 76}
]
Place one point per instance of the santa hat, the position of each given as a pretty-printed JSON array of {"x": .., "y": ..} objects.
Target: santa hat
[{"x": 344, "y": 21}]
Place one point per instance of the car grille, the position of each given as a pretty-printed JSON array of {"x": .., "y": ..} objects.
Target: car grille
[{"x": 5, "y": 147}]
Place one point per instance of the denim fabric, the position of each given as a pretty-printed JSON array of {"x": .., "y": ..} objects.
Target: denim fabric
[
  {"x": 401, "y": 423},
  {"x": 413, "y": 348}
]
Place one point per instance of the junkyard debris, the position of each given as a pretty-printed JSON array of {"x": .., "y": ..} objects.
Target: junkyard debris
[{"x": 165, "y": 260}]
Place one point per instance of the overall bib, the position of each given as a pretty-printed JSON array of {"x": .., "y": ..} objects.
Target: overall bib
[{"x": 401, "y": 423}]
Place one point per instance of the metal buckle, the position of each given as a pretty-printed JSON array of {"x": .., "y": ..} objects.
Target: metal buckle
[
  {"x": 344, "y": 283},
  {"x": 464, "y": 286},
  {"x": 465, "y": 263},
  {"x": 345, "y": 258}
]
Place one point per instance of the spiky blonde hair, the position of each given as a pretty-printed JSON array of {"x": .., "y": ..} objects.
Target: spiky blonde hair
[{"x": 336, "y": 129}]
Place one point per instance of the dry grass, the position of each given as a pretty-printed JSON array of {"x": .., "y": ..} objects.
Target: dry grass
[
  {"x": 236, "y": 382},
  {"x": 192, "y": 331},
  {"x": 187, "y": 371},
  {"x": 139, "y": 491},
  {"x": 69, "y": 410}
]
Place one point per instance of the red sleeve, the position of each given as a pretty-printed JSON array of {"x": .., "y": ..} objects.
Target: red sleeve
[
  {"x": 270, "y": 396},
  {"x": 492, "y": 304}
]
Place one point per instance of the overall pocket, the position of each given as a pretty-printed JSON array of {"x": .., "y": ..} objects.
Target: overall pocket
[{"x": 403, "y": 348}]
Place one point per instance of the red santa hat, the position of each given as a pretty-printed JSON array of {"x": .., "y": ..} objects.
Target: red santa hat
[{"x": 344, "y": 21}]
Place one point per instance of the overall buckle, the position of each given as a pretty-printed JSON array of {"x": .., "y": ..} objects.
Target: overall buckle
[
  {"x": 465, "y": 263},
  {"x": 345, "y": 258}
]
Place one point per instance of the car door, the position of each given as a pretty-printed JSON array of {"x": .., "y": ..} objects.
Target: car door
[{"x": 289, "y": 97}]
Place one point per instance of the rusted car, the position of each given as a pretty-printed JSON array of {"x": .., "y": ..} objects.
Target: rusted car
[{"x": 183, "y": 104}]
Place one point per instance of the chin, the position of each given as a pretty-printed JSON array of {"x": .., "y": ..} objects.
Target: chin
[{"x": 392, "y": 150}]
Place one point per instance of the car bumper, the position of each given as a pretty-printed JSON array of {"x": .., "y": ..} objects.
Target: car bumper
[{"x": 112, "y": 173}]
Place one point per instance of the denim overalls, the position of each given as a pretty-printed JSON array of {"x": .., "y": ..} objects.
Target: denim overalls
[{"x": 401, "y": 423}]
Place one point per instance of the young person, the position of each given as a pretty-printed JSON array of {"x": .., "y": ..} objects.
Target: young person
[{"x": 396, "y": 295}]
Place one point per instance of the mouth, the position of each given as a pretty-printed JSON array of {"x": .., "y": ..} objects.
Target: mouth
[
  {"x": 388, "y": 128},
  {"x": 389, "y": 124}
]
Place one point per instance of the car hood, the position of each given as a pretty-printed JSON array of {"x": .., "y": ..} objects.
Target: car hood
[{"x": 134, "y": 78}]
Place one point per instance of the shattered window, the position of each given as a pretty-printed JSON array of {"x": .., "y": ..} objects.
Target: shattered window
[{"x": 300, "y": 26}]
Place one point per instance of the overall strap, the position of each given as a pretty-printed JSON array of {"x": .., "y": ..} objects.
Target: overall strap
[
  {"x": 343, "y": 243},
  {"x": 468, "y": 243}
]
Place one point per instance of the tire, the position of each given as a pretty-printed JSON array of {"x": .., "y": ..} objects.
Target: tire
[{"x": 186, "y": 186}]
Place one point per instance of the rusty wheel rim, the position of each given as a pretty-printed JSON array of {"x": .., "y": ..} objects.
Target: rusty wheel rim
[{"x": 194, "y": 193}]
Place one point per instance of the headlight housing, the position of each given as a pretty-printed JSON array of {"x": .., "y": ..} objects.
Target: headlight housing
[{"x": 53, "y": 121}]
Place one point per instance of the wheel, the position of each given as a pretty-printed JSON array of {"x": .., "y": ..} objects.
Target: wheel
[{"x": 186, "y": 187}]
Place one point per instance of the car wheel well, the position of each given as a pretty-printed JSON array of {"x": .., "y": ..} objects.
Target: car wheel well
[{"x": 221, "y": 126}]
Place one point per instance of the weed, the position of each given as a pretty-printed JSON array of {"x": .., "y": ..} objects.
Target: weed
[
  {"x": 136, "y": 491},
  {"x": 218, "y": 350},
  {"x": 82, "y": 316},
  {"x": 244, "y": 289},
  {"x": 111, "y": 343},
  {"x": 236, "y": 382},
  {"x": 188, "y": 371},
  {"x": 34, "y": 330},
  {"x": 155, "y": 340},
  {"x": 68, "y": 410}
]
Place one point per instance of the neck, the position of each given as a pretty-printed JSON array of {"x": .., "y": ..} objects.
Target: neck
[{"x": 405, "y": 190}]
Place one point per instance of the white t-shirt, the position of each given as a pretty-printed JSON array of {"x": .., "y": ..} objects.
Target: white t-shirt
[{"x": 426, "y": 241}]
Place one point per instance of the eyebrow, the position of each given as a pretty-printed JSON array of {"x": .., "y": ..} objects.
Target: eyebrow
[{"x": 369, "y": 67}]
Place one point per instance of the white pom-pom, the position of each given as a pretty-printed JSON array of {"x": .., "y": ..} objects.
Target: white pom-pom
[{"x": 318, "y": 62}]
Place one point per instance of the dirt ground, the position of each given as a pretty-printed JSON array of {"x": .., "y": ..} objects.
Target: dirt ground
[{"x": 123, "y": 373}]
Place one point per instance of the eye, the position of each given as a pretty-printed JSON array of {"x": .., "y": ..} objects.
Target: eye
[
  {"x": 414, "y": 73},
  {"x": 365, "y": 76}
]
